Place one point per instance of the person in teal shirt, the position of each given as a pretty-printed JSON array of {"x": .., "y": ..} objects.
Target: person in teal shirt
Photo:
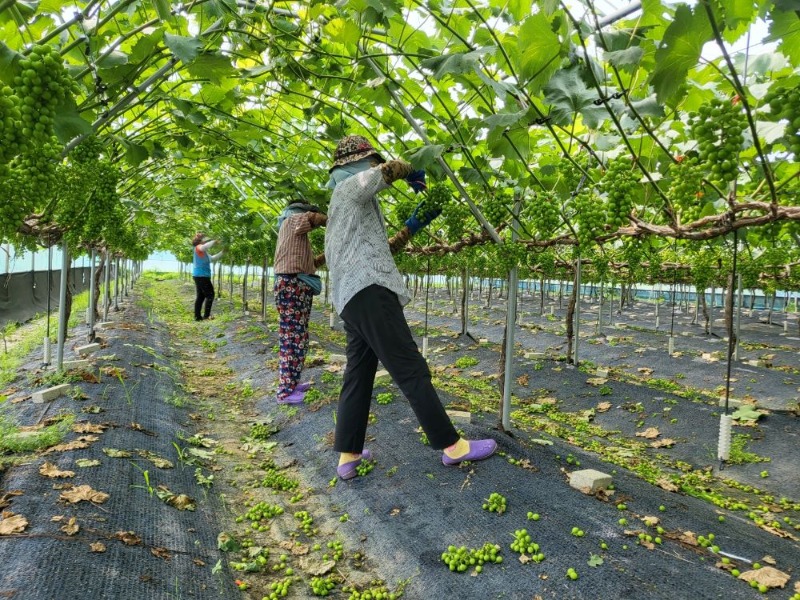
[{"x": 201, "y": 273}]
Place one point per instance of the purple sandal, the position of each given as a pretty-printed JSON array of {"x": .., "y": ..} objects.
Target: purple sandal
[
  {"x": 478, "y": 450},
  {"x": 348, "y": 469},
  {"x": 303, "y": 387},
  {"x": 296, "y": 397}
]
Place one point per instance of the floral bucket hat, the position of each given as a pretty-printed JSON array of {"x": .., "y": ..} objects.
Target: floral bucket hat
[{"x": 353, "y": 148}]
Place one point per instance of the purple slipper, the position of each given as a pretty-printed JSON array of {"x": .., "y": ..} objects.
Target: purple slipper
[
  {"x": 478, "y": 450},
  {"x": 303, "y": 387},
  {"x": 348, "y": 469},
  {"x": 296, "y": 397}
]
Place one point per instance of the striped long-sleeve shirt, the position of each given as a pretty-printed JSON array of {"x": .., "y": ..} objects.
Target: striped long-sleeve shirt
[
  {"x": 356, "y": 246},
  {"x": 293, "y": 252}
]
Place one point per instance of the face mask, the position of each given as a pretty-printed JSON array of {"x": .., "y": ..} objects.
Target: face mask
[{"x": 339, "y": 174}]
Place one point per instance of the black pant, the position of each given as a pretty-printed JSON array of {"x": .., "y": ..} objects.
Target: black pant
[
  {"x": 377, "y": 329},
  {"x": 205, "y": 292}
]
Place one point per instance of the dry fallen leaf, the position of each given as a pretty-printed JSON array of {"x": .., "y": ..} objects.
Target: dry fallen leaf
[
  {"x": 651, "y": 521},
  {"x": 523, "y": 379},
  {"x": 688, "y": 537},
  {"x": 76, "y": 445},
  {"x": 159, "y": 552},
  {"x": 198, "y": 562},
  {"x": 666, "y": 484},
  {"x": 603, "y": 407},
  {"x": 86, "y": 427},
  {"x": 50, "y": 470},
  {"x": 296, "y": 549},
  {"x": 394, "y": 512},
  {"x": 769, "y": 560},
  {"x": 89, "y": 377},
  {"x": 117, "y": 372},
  {"x": 645, "y": 371},
  {"x": 316, "y": 568},
  {"x": 5, "y": 499},
  {"x": 158, "y": 461},
  {"x": 665, "y": 443},
  {"x": 650, "y": 433},
  {"x": 97, "y": 547},
  {"x": 83, "y": 492},
  {"x": 179, "y": 501},
  {"x": 11, "y": 523},
  {"x": 128, "y": 538},
  {"x": 116, "y": 453},
  {"x": 596, "y": 381},
  {"x": 88, "y": 438},
  {"x": 71, "y": 527},
  {"x": 768, "y": 576}
]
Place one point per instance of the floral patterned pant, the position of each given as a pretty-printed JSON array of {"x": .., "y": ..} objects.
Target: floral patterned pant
[{"x": 293, "y": 300}]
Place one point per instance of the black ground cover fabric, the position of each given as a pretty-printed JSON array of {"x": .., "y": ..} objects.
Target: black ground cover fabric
[
  {"x": 410, "y": 508},
  {"x": 403, "y": 514},
  {"x": 612, "y": 346},
  {"x": 46, "y": 564}
]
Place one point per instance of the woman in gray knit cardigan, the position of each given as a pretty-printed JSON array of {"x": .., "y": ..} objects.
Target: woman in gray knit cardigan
[{"x": 368, "y": 292}]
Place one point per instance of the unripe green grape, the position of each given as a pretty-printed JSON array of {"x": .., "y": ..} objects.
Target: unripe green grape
[
  {"x": 543, "y": 212},
  {"x": 718, "y": 128},
  {"x": 619, "y": 183}
]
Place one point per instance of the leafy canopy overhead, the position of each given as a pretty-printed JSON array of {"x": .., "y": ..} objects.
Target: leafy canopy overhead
[{"x": 215, "y": 113}]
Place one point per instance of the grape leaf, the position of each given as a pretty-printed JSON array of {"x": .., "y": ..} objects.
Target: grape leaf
[
  {"x": 595, "y": 560},
  {"x": 568, "y": 94},
  {"x": 747, "y": 412},
  {"x": 679, "y": 51},
  {"x": 425, "y": 155},
  {"x": 457, "y": 63},
  {"x": 784, "y": 28},
  {"x": 538, "y": 45},
  {"x": 162, "y": 8},
  {"x": 7, "y": 59},
  {"x": 504, "y": 119},
  {"x": 184, "y": 48},
  {"x": 630, "y": 57}
]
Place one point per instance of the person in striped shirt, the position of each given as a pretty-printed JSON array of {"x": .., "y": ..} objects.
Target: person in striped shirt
[
  {"x": 201, "y": 274},
  {"x": 295, "y": 286},
  {"x": 368, "y": 292}
]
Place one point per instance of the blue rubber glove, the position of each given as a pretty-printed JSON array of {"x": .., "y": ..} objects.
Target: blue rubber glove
[
  {"x": 417, "y": 181},
  {"x": 418, "y": 220}
]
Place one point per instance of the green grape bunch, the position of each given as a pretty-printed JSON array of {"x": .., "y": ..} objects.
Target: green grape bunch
[
  {"x": 590, "y": 216},
  {"x": 457, "y": 219},
  {"x": 42, "y": 84},
  {"x": 495, "y": 210},
  {"x": 619, "y": 183},
  {"x": 544, "y": 213},
  {"x": 87, "y": 151},
  {"x": 718, "y": 129},
  {"x": 509, "y": 255},
  {"x": 686, "y": 188},
  {"x": 785, "y": 105},
  {"x": 10, "y": 124},
  {"x": 437, "y": 198}
]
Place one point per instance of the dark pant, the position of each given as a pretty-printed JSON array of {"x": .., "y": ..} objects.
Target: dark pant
[
  {"x": 205, "y": 292},
  {"x": 377, "y": 330}
]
